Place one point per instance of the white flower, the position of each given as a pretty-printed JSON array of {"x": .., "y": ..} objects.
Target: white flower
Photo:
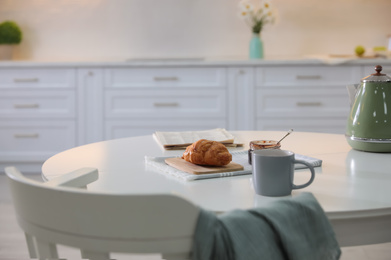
[
  {"x": 266, "y": 6},
  {"x": 246, "y": 6},
  {"x": 244, "y": 14},
  {"x": 257, "y": 15}
]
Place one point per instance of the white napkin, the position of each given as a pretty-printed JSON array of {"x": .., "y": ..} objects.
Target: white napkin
[{"x": 240, "y": 157}]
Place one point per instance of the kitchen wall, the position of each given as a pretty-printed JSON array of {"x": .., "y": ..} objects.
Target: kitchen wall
[{"x": 122, "y": 29}]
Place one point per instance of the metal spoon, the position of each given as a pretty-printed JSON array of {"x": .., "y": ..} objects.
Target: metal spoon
[{"x": 289, "y": 132}]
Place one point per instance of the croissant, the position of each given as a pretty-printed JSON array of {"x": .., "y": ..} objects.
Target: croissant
[{"x": 206, "y": 152}]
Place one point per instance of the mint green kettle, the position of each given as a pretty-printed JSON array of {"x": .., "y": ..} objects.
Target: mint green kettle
[{"x": 369, "y": 122}]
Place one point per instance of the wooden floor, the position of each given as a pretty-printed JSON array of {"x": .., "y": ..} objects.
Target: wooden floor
[{"x": 12, "y": 244}]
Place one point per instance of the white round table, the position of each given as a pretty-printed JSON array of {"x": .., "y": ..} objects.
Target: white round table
[{"x": 353, "y": 187}]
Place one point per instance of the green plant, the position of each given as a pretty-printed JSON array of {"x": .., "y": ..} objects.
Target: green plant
[{"x": 10, "y": 33}]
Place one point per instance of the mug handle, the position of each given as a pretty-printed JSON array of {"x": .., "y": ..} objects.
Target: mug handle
[{"x": 311, "y": 179}]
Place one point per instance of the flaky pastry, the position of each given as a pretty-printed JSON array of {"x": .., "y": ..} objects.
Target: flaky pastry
[{"x": 206, "y": 152}]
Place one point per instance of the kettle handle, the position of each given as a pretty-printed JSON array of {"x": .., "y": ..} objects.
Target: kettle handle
[{"x": 352, "y": 91}]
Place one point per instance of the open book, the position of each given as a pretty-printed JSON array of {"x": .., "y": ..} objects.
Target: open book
[{"x": 180, "y": 140}]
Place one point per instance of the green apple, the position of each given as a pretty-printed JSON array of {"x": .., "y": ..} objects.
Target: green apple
[{"x": 359, "y": 50}]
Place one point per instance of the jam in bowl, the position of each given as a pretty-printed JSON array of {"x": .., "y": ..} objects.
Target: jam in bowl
[{"x": 262, "y": 144}]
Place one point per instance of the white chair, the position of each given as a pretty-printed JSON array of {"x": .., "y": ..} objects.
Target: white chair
[{"x": 60, "y": 211}]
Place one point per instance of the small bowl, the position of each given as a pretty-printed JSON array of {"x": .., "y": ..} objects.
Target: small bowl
[{"x": 260, "y": 145}]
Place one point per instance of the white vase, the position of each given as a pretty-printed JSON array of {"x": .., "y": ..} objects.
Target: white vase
[{"x": 6, "y": 51}]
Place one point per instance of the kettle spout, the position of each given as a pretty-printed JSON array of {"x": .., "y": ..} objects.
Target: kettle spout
[{"x": 352, "y": 91}]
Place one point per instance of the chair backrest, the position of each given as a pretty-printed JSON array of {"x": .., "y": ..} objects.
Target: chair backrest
[{"x": 99, "y": 223}]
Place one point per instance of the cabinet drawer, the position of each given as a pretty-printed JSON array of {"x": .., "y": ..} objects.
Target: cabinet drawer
[
  {"x": 172, "y": 77},
  {"x": 298, "y": 103},
  {"x": 37, "y": 103},
  {"x": 313, "y": 76},
  {"x": 368, "y": 70},
  {"x": 33, "y": 138},
  {"x": 119, "y": 129},
  {"x": 37, "y": 78},
  {"x": 336, "y": 125},
  {"x": 157, "y": 103}
]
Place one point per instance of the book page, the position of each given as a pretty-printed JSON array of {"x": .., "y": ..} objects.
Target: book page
[{"x": 168, "y": 139}]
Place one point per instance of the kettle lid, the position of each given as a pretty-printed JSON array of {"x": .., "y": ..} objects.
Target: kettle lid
[{"x": 377, "y": 77}]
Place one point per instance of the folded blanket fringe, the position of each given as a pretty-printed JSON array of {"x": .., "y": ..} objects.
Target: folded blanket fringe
[{"x": 292, "y": 228}]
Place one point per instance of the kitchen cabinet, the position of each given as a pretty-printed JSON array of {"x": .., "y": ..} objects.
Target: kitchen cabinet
[
  {"x": 142, "y": 101},
  {"x": 305, "y": 98},
  {"x": 241, "y": 98},
  {"x": 371, "y": 69},
  {"x": 37, "y": 115},
  {"x": 46, "y": 108},
  {"x": 90, "y": 116}
]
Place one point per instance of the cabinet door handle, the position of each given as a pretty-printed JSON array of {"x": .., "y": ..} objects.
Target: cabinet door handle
[
  {"x": 23, "y": 106},
  {"x": 309, "y": 104},
  {"x": 165, "y": 78},
  {"x": 26, "y": 135},
  {"x": 308, "y": 77},
  {"x": 173, "y": 104},
  {"x": 25, "y": 80}
]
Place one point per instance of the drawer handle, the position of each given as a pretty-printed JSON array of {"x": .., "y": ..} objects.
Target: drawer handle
[
  {"x": 173, "y": 104},
  {"x": 23, "y": 106},
  {"x": 26, "y": 80},
  {"x": 165, "y": 78},
  {"x": 308, "y": 77},
  {"x": 309, "y": 104},
  {"x": 26, "y": 135}
]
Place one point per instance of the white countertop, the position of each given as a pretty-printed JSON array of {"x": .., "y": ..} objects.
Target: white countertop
[{"x": 197, "y": 61}]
